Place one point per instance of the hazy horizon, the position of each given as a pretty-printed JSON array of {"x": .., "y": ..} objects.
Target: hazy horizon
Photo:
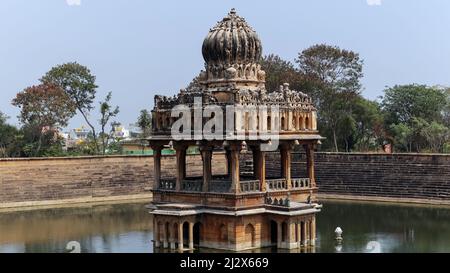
[{"x": 139, "y": 48}]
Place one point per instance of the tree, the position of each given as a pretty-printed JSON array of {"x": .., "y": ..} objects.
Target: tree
[
  {"x": 279, "y": 71},
  {"x": 107, "y": 112},
  {"x": 404, "y": 102},
  {"x": 334, "y": 80},
  {"x": 369, "y": 121},
  {"x": 8, "y": 138},
  {"x": 79, "y": 84},
  {"x": 44, "y": 109},
  {"x": 3, "y": 118},
  {"x": 403, "y": 135},
  {"x": 416, "y": 116},
  {"x": 44, "y": 105},
  {"x": 437, "y": 135},
  {"x": 145, "y": 123}
]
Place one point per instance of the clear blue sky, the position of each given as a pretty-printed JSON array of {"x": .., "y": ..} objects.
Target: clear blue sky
[{"x": 139, "y": 48}]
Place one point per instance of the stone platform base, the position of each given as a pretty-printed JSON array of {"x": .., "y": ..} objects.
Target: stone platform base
[{"x": 182, "y": 226}]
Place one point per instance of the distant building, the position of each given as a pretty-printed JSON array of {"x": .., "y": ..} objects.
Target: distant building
[
  {"x": 119, "y": 131},
  {"x": 81, "y": 133}
]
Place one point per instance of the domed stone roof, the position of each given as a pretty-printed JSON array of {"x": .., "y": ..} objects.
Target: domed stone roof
[
  {"x": 232, "y": 51},
  {"x": 232, "y": 41}
]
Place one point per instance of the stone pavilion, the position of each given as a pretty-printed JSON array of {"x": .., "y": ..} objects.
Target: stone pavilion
[{"x": 235, "y": 211}]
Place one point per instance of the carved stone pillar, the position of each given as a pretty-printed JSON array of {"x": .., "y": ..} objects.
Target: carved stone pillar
[
  {"x": 156, "y": 233},
  {"x": 228, "y": 156},
  {"x": 307, "y": 231},
  {"x": 180, "y": 150},
  {"x": 313, "y": 231},
  {"x": 291, "y": 235},
  {"x": 180, "y": 236},
  {"x": 191, "y": 235},
  {"x": 259, "y": 166},
  {"x": 165, "y": 237},
  {"x": 303, "y": 237},
  {"x": 172, "y": 238},
  {"x": 255, "y": 154},
  {"x": 286, "y": 163},
  {"x": 206, "y": 152},
  {"x": 310, "y": 164},
  {"x": 235, "y": 149},
  {"x": 156, "y": 165},
  {"x": 299, "y": 234},
  {"x": 279, "y": 235}
]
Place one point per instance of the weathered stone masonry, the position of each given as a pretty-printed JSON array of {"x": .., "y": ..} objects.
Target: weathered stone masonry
[
  {"x": 376, "y": 176},
  {"x": 413, "y": 176},
  {"x": 397, "y": 176},
  {"x": 53, "y": 181}
]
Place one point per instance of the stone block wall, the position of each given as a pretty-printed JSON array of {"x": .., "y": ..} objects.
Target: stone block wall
[
  {"x": 395, "y": 176},
  {"x": 27, "y": 182},
  {"x": 53, "y": 181},
  {"x": 414, "y": 176},
  {"x": 47, "y": 181}
]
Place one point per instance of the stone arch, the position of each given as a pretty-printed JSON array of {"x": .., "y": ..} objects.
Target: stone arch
[
  {"x": 273, "y": 232},
  {"x": 160, "y": 122},
  {"x": 301, "y": 126},
  {"x": 284, "y": 231},
  {"x": 198, "y": 235},
  {"x": 269, "y": 123},
  {"x": 175, "y": 232},
  {"x": 307, "y": 123},
  {"x": 223, "y": 233},
  {"x": 168, "y": 121},
  {"x": 250, "y": 235},
  {"x": 185, "y": 226},
  {"x": 167, "y": 231},
  {"x": 302, "y": 231},
  {"x": 283, "y": 123}
]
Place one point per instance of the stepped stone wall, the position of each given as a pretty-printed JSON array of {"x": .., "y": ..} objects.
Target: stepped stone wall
[
  {"x": 385, "y": 177},
  {"x": 50, "y": 181},
  {"x": 61, "y": 181}
]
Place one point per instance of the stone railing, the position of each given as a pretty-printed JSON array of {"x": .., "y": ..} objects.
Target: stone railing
[
  {"x": 167, "y": 184},
  {"x": 219, "y": 185},
  {"x": 285, "y": 202},
  {"x": 298, "y": 183},
  {"x": 276, "y": 184},
  {"x": 192, "y": 185},
  {"x": 250, "y": 185}
]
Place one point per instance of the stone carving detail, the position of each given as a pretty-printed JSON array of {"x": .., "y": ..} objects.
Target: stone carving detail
[{"x": 232, "y": 51}]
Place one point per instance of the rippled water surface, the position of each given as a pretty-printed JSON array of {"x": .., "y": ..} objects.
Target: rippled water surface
[{"x": 368, "y": 227}]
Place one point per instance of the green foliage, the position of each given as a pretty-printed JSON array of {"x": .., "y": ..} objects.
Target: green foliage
[
  {"x": 404, "y": 102},
  {"x": 44, "y": 109},
  {"x": 9, "y": 138},
  {"x": 279, "y": 71},
  {"x": 145, "y": 123},
  {"x": 369, "y": 122},
  {"x": 334, "y": 78},
  {"x": 107, "y": 112},
  {"x": 416, "y": 117},
  {"x": 77, "y": 81},
  {"x": 44, "y": 105},
  {"x": 79, "y": 84}
]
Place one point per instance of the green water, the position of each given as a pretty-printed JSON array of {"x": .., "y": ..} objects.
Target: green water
[{"x": 127, "y": 228}]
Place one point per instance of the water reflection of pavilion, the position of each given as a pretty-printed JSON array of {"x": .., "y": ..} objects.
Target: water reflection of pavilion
[{"x": 236, "y": 211}]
